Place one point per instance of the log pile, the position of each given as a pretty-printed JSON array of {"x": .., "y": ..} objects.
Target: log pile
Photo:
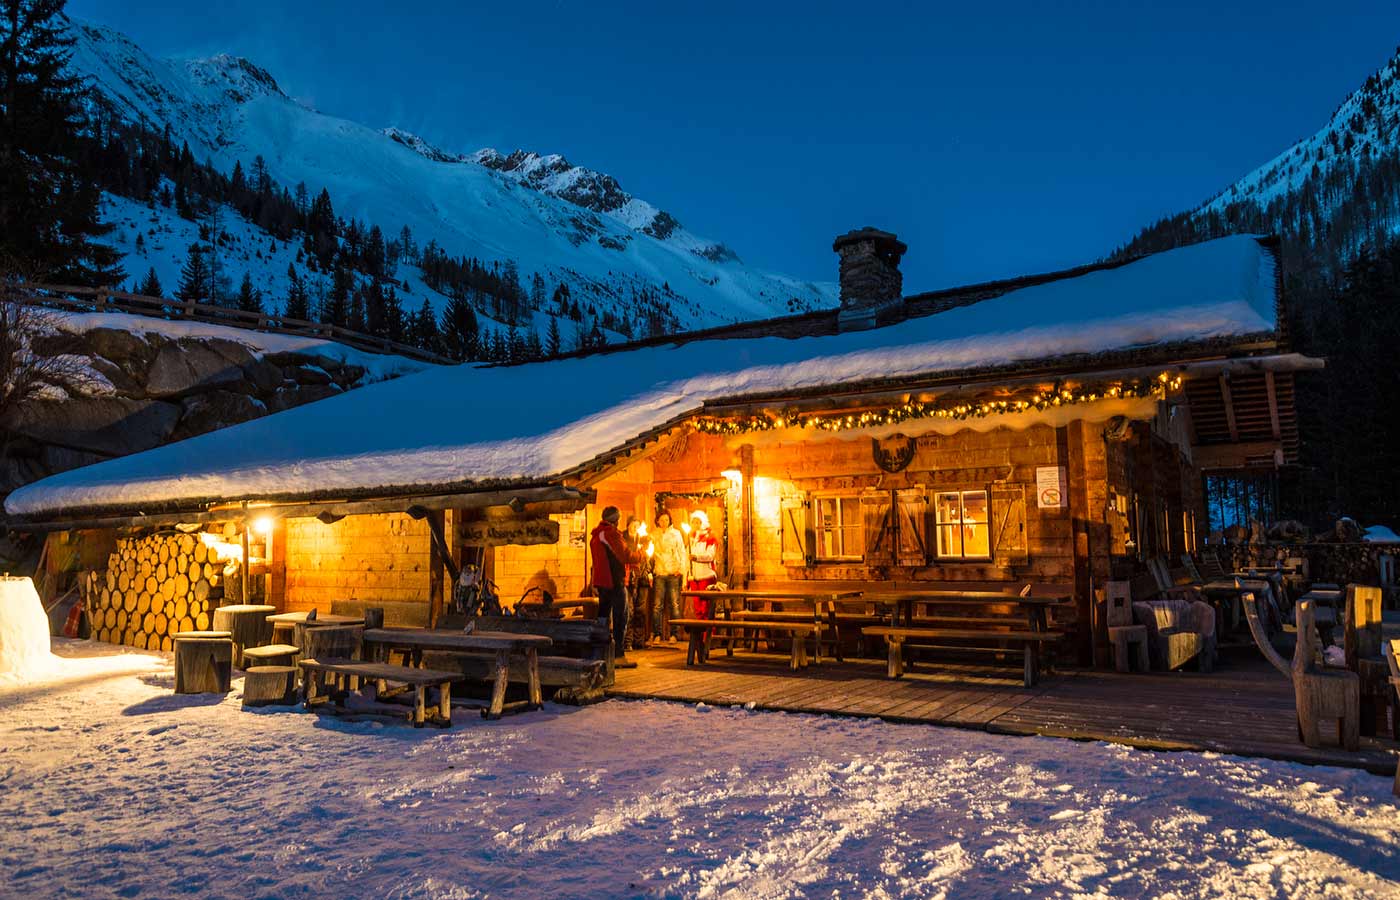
[{"x": 154, "y": 587}]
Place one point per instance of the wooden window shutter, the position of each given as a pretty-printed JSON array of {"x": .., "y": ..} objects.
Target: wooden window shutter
[
  {"x": 1009, "y": 545},
  {"x": 797, "y": 543},
  {"x": 913, "y": 527},
  {"x": 877, "y": 514}
]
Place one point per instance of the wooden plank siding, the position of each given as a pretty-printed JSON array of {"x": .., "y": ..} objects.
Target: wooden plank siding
[{"x": 377, "y": 557}]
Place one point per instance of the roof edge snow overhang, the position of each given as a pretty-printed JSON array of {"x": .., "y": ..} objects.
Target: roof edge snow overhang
[{"x": 1255, "y": 352}]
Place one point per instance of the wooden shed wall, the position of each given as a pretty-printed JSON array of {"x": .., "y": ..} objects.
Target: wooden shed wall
[{"x": 360, "y": 558}]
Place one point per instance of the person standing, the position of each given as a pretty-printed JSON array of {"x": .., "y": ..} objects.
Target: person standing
[
  {"x": 668, "y": 565},
  {"x": 639, "y": 592},
  {"x": 609, "y": 572},
  {"x": 703, "y": 548}
]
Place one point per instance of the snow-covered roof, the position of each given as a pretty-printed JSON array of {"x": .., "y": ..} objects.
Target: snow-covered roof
[{"x": 451, "y": 426}]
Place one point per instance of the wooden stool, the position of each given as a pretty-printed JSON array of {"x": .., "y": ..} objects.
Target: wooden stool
[
  {"x": 270, "y": 686},
  {"x": 1125, "y": 638},
  {"x": 248, "y": 626},
  {"x": 203, "y": 662},
  {"x": 271, "y": 655},
  {"x": 283, "y": 633}
]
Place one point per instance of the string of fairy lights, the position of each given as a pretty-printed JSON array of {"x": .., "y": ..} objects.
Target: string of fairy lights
[{"x": 1039, "y": 400}]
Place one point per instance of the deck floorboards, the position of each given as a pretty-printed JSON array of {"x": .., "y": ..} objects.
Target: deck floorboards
[{"x": 1243, "y": 708}]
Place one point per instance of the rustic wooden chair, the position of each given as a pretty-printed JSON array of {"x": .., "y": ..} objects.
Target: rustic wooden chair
[
  {"x": 1211, "y": 565},
  {"x": 1125, "y": 637},
  {"x": 1321, "y": 692},
  {"x": 1362, "y": 642},
  {"x": 1392, "y": 658},
  {"x": 1160, "y": 573},
  {"x": 1192, "y": 570},
  {"x": 1180, "y": 627}
]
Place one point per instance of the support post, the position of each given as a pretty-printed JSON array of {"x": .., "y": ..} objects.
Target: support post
[
  {"x": 746, "y": 468},
  {"x": 277, "y": 565},
  {"x": 436, "y": 567}
]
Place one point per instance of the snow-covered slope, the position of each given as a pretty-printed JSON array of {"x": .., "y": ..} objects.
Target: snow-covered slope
[
  {"x": 567, "y": 223},
  {"x": 1364, "y": 125}
]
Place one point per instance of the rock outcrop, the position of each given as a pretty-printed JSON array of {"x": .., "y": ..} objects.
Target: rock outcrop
[{"x": 137, "y": 391}]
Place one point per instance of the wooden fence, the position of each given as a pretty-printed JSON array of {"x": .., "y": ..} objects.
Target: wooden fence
[{"x": 86, "y": 299}]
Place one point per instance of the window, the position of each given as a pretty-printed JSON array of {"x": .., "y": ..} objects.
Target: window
[
  {"x": 839, "y": 528},
  {"x": 962, "y": 524}
]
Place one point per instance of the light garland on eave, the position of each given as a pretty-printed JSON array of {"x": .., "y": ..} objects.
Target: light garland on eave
[{"x": 1038, "y": 401}]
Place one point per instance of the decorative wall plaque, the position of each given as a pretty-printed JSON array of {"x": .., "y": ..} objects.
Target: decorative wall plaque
[{"x": 894, "y": 453}]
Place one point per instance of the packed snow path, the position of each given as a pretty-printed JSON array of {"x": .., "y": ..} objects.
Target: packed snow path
[{"x": 115, "y": 787}]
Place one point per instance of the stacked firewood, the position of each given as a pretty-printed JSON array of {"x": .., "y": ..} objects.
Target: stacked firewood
[{"x": 154, "y": 587}]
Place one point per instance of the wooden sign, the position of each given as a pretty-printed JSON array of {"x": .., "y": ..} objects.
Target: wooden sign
[{"x": 511, "y": 531}]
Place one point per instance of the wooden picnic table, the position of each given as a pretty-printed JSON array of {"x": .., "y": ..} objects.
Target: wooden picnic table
[
  {"x": 903, "y": 603},
  {"x": 1225, "y": 595},
  {"x": 987, "y": 632},
  {"x": 504, "y": 644},
  {"x": 820, "y": 604},
  {"x": 299, "y": 618}
]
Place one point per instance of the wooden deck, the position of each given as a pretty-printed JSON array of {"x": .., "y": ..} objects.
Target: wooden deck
[{"x": 1244, "y": 708}]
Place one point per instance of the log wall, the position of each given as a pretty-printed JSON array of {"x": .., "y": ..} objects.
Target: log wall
[{"x": 361, "y": 558}]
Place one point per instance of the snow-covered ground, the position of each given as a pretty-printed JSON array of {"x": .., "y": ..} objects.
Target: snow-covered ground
[{"x": 115, "y": 787}]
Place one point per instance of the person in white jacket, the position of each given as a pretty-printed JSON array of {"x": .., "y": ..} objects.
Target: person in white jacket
[{"x": 668, "y": 565}]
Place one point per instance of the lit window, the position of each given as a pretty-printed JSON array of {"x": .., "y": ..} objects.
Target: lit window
[
  {"x": 963, "y": 532},
  {"x": 839, "y": 531}
]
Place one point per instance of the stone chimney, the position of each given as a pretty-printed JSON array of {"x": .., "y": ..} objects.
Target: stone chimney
[{"x": 871, "y": 286}]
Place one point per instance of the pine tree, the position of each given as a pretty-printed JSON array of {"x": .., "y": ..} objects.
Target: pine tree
[
  {"x": 460, "y": 331},
  {"x": 249, "y": 297},
  {"x": 195, "y": 276},
  {"x": 336, "y": 308},
  {"x": 48, "y": 203},
  {"x": 551, "y": 340},
  {"x": 150, "y": 285},
  {"x": 298, "y": 304},
  {"x": 424, "y": 329}
]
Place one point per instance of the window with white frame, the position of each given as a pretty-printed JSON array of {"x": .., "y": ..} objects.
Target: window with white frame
[
  {"x": 962, "y": 523},
  {"x": 839, "y": 531}
]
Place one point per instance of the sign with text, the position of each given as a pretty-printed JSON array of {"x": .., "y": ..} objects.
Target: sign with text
[
  {"x": 510, "y": 531},
  {"x": 1050, "y": 487}
]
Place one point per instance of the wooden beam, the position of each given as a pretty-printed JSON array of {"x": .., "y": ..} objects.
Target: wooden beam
[
  {"x": 277, "y": 566},
  {"x": 1072, "y": 437},
  {"x": 1229, "y": 407},
  {"x": 746, "y": 512},
  {"x": 436, "y": 565},
  {"x": 579, "y": 498},
  {"x": 1273, "y": 404}
]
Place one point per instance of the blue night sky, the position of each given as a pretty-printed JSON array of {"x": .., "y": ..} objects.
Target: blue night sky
[{"x": 995, "y": 138}]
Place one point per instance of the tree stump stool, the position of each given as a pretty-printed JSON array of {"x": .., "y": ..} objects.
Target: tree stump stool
[
  {"x": 270, "y": 686},
  {"x": 248, "y": 626},
  {"x": 1126, "y": 638},
  {"x": 203, "y": 662},
  {"x": 270, "y": 655}
]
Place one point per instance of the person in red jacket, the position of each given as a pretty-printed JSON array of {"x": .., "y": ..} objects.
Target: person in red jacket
[
  {"x": 702, "y": 574},
  {"x": 610, "y": 553}
]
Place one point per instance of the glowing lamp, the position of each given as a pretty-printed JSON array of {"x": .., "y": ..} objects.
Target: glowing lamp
[{"x": 263, "y": 525}]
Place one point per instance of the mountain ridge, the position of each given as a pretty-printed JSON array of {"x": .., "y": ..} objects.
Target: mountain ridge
[{"x": 567, "y": 223}]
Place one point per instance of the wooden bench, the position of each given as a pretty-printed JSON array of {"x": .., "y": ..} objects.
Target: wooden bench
[
  {"x": 501, "y": 647},
  {"x": 701, "y": 632},
  {"x": 580, "y": 661},
  {"x": 964, "y": 639},
  {"x": 315, "y": 671}
]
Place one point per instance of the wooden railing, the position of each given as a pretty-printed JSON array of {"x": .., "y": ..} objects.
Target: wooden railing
[{"x": 85, "y": 299}]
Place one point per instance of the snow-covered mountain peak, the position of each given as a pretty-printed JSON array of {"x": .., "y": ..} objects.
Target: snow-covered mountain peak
[
  {"x": 239, "y": 79},
  {"x": 1363, "y": 124},
  {"x": 568, "y": 225}
]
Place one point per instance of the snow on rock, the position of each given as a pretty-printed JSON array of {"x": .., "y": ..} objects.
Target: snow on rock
[
  {"x": 522, "y": 422},
  {"x": 24, "y": 632},
  {"x": 114, "y": 786},
  {"x": 1379, "y": 534}
]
